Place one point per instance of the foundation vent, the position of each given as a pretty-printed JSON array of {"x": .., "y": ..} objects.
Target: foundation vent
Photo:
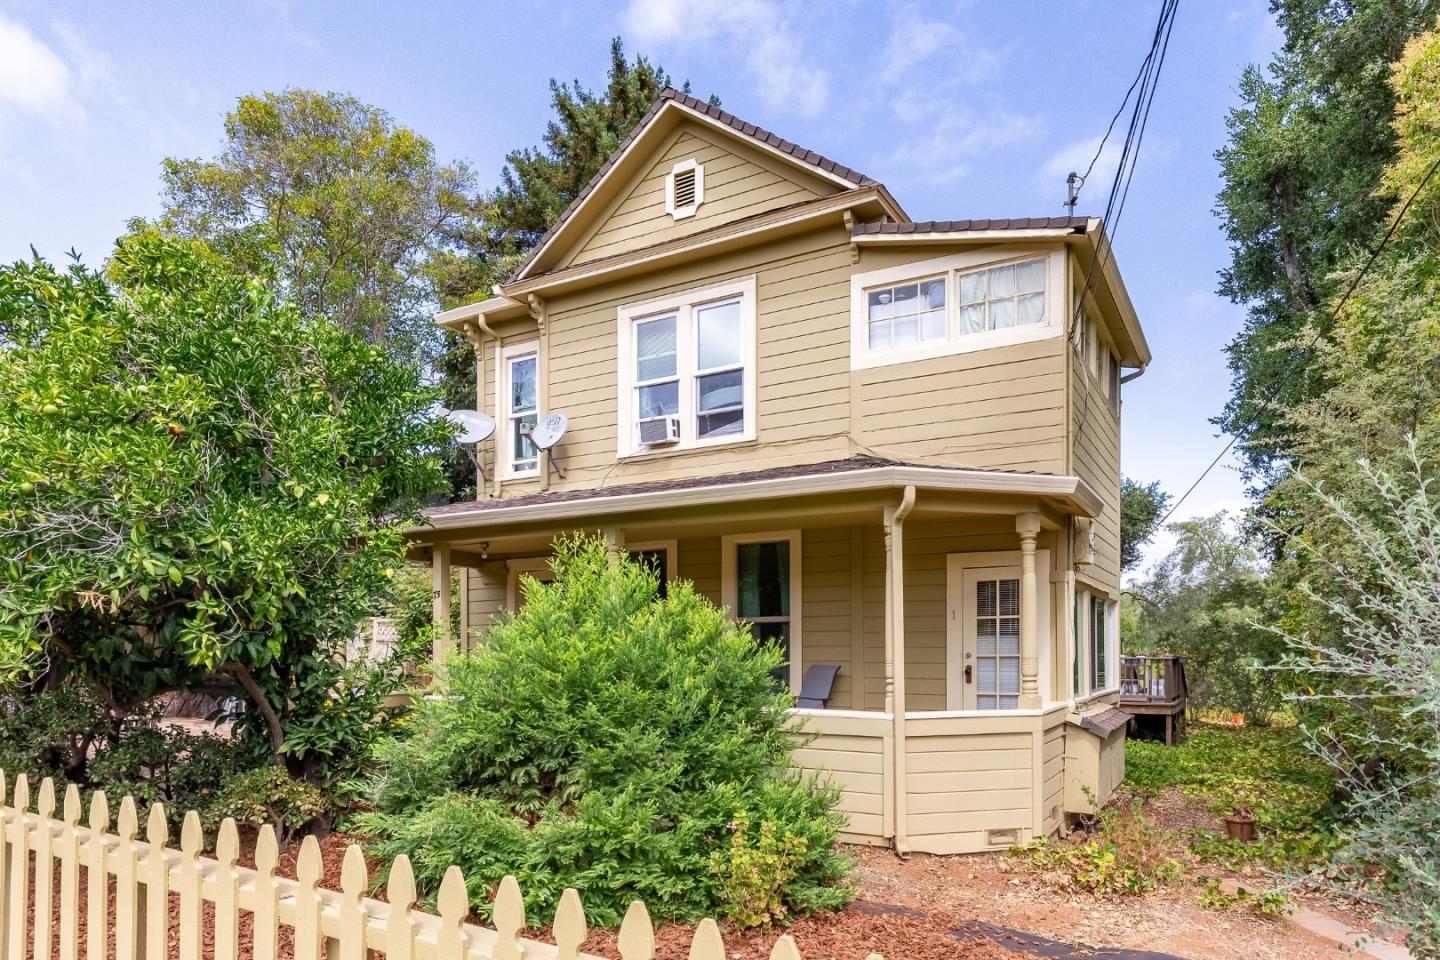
[{"x": 1002, "y": 838}]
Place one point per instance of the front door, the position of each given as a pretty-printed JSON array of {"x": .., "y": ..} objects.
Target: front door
[{"x": 982, "y": 650}]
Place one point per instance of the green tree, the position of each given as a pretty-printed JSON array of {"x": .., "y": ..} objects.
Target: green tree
[
  {"x": 628, "y": 745},
  {"x": 1141, "y": 507},
  {"x": 346, "y": 213},
  {"x": 1205, "y": 600},
  {"x": 1305, "y": 154},
  {"x": 196, "y": 478}
]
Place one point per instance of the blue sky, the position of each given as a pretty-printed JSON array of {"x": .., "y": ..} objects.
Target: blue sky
[{"x": 964, "y": 109}]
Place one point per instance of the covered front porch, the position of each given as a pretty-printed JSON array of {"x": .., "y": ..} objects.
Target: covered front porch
[{"x": 943, "y": 597}]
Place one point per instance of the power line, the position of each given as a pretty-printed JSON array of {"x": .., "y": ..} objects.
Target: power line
[{"x": 1315, "y": 338}]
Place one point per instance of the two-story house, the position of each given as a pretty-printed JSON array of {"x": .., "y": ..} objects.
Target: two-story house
[{"x": 890, "y": 446}]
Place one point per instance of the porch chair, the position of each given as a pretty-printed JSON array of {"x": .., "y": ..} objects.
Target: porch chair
[{"x": 816, "y": 685}]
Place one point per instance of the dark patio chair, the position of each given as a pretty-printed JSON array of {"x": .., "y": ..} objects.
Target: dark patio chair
[{"x": 816, "y": 685}]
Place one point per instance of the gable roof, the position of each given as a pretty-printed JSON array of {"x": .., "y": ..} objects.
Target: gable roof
[{"x": 713, "y": 116}]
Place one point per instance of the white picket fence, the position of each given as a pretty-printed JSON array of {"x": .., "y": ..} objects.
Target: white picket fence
[{"x": 140, "y": 876}]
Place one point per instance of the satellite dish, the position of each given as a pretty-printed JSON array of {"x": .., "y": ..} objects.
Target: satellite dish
[
  {"x": 548, "y": 431},
  {"x": 474, "y": 425}
]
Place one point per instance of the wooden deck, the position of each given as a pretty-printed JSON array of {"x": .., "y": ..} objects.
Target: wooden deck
[{"x": 1154, "y": 686}]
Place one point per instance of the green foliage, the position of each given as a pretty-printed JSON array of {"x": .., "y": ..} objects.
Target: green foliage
[
  {"x": 757, "y": 872},
  {"x": 1266, "y": 771},
  {"x": 194, "y": 479},
  {"x": 1126, "y": 855},
  {"x": 1371, "y": 686},
  {"x": 346, "y": 214},
  {"x": 68, "y": 734},
  {"x": 1204, "y": 602},
  {"x": 1305, "y": 155},
  {"x": 1141, "y": 506},
  {"x": 605, "y": 739},
  {"x": 1266, "y": 903},
  {"x": 267, "y": 795}
]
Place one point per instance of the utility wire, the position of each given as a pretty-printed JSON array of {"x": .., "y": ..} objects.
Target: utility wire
[{"x": 1314, "y": 341}]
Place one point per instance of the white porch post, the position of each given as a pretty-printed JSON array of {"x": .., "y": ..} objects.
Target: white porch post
[
  {"x": 1028, "y": 526},
  {"x": 440, "y": 593}
]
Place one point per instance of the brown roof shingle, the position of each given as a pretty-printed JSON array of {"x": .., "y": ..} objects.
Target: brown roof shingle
[{"x": 964, "y": 226}]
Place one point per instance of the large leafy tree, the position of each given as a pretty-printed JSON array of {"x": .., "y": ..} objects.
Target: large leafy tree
[
  {"x": 536, "y": 185},
  {"x": 1304, "y": 158},
  {"x": 196, "y": 478},
  {"x": 348, "y": 214},
  {"x": 1141, "y": 506}
]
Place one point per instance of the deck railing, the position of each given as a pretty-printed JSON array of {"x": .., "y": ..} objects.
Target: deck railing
[
  {"x": 1152, "y": 679},
  {"x": 123, "y": 887}
]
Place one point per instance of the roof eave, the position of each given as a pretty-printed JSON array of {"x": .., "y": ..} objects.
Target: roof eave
[{"x": 1072, "y": 493}]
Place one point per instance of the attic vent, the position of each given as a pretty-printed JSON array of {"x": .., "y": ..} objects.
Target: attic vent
[{"x": 684, "y": 189}]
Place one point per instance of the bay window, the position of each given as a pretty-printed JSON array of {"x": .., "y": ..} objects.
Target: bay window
[
  {"x": 953, "y": 304},
  {"x": 687, "y": 369}
]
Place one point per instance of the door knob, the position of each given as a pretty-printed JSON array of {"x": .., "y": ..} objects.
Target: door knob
[{"x": 968, "y": 670}]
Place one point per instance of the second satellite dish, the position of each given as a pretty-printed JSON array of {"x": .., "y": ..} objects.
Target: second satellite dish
[
  {"x": 548, "y": 431},
  {"x": 474, "y": 425}
]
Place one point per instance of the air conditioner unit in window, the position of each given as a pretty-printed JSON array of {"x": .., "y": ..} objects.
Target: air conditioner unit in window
[{"x": 659, "y": 431}]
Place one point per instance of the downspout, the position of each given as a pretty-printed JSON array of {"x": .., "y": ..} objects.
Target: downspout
[{"x": 895, "y": 627}]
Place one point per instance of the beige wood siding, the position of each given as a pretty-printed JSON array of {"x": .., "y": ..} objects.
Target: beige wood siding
[
  {"x": 963, "y": 785},
  {"x": 739, "y": 182},
  {"x": 485, "y": 589},
  {"x": 851, "y": 752},
  {"x": 1053, "y": 776},
  {"x": 699, "y": 563},
  {"x": 1002, "y": 408},
  {"x": 1095, "y": 430}
]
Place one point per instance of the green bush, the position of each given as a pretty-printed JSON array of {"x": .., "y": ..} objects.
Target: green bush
[
  {"x": 609, "y": 740},
  {"x": 1128, "y": 855},
  {"x": 267, "y": 795}
]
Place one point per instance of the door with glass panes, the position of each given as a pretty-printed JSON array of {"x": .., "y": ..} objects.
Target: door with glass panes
[{"x": 986, "y": 674}]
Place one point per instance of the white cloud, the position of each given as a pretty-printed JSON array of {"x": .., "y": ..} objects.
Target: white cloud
[
  {"x": 758, "y": 30},
  {"x": 33, "y": 78},
  {"x": 939, "y": 137},
  {"x": 913, "y": 40}
]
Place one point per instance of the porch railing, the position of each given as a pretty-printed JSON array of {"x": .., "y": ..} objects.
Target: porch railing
[{"x": 1152, "y": 679}]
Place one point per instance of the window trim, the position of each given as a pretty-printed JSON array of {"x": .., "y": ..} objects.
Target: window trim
[
  {"x": 1083, "y": 597},
  {"x": 689, "y": 209},
  {"x": 684, "y": 304},
  {"x": 671, "y": 549},
  {"x": 504, "y": 358},
  {"x": 537, "y": 567},
  {"x": 862, "y": 357},
  {"x": 729, "y": 561}
]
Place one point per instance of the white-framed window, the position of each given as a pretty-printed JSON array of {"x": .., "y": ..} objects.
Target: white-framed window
[
  {"x": 687, "y": 369},
  {"x": 684, "y": 189},
  {"x": 954, "y": 304},
  {"x": 537, "y": 568},
  {"x": 517, "y": 381},
  {"x": 1096, "y": 664},
  {"x": 760, "y": 585}
]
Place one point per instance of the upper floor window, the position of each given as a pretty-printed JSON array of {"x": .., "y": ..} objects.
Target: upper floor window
[
  {"x": 687, "y": 369},
  {"x": 518, "y": 384},
  {"x": 951, "y": 305}
]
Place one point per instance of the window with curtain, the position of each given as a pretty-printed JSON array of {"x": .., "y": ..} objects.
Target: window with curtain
[
  {"x": 999, "y": 298},
  {"x": 762, "y": 594},
  {"x": 997, "y": 644}
]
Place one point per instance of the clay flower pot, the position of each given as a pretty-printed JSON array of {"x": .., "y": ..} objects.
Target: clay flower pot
[{"x": 1240, "y": 826}]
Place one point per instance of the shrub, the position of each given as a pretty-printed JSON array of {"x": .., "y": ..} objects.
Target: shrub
[
  {"x": 604, "y": 738},
  {"x": 1129, "y": 855},
  {"x": 267, "y": 795}
]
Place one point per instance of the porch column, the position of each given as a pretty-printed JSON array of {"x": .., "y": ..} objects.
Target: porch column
[
  {"x": 1028, "y": 526},
  {"x": 440, "y": 594}
]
